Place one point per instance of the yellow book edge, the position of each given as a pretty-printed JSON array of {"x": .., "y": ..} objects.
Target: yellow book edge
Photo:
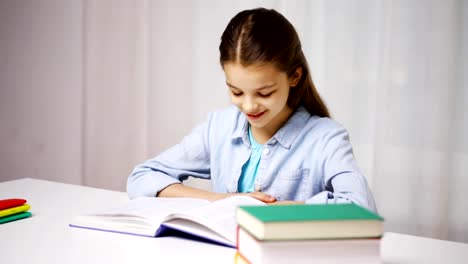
[{"x": 14, "y": 210}]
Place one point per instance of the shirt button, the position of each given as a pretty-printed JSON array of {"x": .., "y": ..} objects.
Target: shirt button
[{"x": 266, "y": 151}]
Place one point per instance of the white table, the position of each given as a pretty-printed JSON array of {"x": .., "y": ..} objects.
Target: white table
[{"x": 46, "y": 237}]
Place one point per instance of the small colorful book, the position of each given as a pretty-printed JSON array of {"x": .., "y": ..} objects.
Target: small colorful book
[
  {"x": 13, "y": 209},
  {"x": 307, "y": 221}
]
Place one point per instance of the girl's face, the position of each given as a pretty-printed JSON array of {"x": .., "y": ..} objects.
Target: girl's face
[{"x": 261, "y": 93}]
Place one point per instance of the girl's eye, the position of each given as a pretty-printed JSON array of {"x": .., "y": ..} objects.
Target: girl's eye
[
  {"x": 266, "y": 95},
  {"x": 236, "y": 94}
]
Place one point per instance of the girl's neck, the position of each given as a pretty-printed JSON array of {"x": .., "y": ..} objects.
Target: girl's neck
[{"x": 263, "y": 134}]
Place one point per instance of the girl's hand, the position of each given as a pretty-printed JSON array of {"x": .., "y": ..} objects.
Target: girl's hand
[
  {"x": 263, "y": 197},
  {"x": 287, "y": 202}
]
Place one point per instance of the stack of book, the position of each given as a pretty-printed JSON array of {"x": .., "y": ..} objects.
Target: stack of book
[
  {"x": 328, "y": 233},
  {"x": 13, "y": 209}
]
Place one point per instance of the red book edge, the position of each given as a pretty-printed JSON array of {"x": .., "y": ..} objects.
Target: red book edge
[
  {"x": 237, "y": 245},
  {"x": 9, "y": 203}
]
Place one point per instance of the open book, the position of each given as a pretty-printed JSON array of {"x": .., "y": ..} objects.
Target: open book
[{"x": 199, "y": 219}]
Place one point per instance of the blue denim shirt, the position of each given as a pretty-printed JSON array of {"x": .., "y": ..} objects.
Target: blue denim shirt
[{"x": 309, "y": 159}]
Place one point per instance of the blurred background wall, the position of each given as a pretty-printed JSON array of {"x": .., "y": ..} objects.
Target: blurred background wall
[{"x": 90, "y": 88}]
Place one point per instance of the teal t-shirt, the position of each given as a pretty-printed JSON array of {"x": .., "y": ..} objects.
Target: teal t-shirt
[{"x": 250, "y": 168}]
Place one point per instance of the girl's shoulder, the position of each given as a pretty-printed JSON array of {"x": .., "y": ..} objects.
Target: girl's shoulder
[
  {"x": 324, "y": 127},
  {"x": 324, "y": 123},
  {"x": 309, "y": 129},
  {"x": 313, "y": 123}
]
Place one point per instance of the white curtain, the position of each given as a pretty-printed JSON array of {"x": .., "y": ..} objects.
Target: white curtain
[{"x": 393, "y": 72}]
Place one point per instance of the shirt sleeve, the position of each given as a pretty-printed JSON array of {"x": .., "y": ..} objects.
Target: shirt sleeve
[
  {"x": 343, "y": 180},
  {"x": 191, "y": 157}
]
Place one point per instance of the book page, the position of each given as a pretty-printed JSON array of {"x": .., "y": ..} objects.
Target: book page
[
  {"x": 152, "y": 207},
  {"x": 143, "y": 216},
  {"x": 150, "y": 210},
  {"x": 219, "y": 216}
]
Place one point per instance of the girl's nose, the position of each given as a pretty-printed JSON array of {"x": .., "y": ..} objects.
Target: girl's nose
[{"x": 249, "y": 105}]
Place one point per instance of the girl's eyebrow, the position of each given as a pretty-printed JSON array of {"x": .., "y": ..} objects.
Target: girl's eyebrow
[{"x": 257, "y": 89}]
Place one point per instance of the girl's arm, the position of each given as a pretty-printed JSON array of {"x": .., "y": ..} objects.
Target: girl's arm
[
  {"x": 344, "y": 182},
  {"x": 189, "y": 158},
  {"x": 180, "y": 190}
]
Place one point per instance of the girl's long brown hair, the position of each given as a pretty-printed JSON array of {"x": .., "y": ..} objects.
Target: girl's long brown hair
[{"x": 265, "y": 36}]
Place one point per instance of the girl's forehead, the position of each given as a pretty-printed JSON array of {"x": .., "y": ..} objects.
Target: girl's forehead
[
  {"x": 253, "y": 70},
  {"x": 252, "y": 76}
]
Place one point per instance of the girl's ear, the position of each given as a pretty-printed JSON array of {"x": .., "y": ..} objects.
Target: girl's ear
[{"x": 296, "y": 77}]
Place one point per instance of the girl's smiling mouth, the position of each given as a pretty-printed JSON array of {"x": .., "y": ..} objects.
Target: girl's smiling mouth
[{"x": 255, "y": 116}]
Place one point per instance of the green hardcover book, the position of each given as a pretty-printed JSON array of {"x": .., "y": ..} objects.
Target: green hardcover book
[{"x": 307, "y": 221}]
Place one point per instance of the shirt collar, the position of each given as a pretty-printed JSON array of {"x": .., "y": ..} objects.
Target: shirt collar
[
  {"x": 241, "y": 129},
  {"x": 291, "y": 129},
  {"x": 285, "y": 135}
]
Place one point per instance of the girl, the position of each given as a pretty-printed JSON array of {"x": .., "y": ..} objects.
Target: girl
[{"x": 277, "y": 144}]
